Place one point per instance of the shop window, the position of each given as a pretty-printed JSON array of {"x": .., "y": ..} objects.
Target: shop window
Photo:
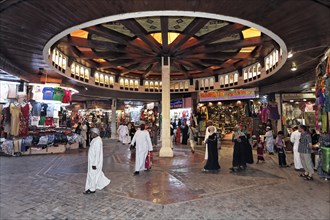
[
  {"x": 126, "y": 84},
  {"x": 106, "y": 80},
  {"x": 146, "y": 86},
  {"x": 222, "y": 82},
  {"x": 267, "y": 64},
  {"x": 181, "y": 86},
  {"x": 160, "y": 86},
  {"x": 131, "y": 85},
  {"x": 250, "y": 73},
  {"x": 86, "y": 75},
  {"x": 271, "y": 61},
  {"x": 156, "y": 87},
  {"x": 77, "y": 71},
  {"x": 73, "y": 70},
  {"x": 64, "y": 63},
  {"x": 136, "y": 85},
  {"x": 231, "y": 79},
  {"x": 186, "y": 86},
  {"x": 202, "y": 85},
  {"x": 53, "y": 56},
  {"x": 212, "y": 83},
  {"x": 101, "y": 79},
  {"x": 276, "y": 56},
  {"x": 111, "y": 81},
  {"x": 235, "y": 77},
  {"x": 121, "y": 83},
  {"x": 254, "y": 71},
  {"x": 206, "y": 83},
  {"x": 176, "y": 87},
  {"x": 56, "y": 58},
  {"x": 226, "y": 80},
  {"x": 196, "y": 85},
  {"x": 97, "y": 78},
  {"x": 258, "y": 70}
]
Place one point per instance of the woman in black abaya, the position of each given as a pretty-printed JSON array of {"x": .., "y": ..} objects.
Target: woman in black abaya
[{"x": 212, "y": 163}]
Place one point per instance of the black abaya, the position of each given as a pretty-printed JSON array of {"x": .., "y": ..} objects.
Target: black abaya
[{"x": 212, "y": 162}]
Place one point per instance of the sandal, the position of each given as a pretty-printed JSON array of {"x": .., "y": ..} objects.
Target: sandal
[
  {"x": 88, "y": 192},
  {"x": 308, "y": 178},
  {"x": 303, "y": 175}
]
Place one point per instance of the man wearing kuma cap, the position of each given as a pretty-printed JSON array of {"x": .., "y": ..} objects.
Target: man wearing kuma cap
[{"x": 95, "y": 176}]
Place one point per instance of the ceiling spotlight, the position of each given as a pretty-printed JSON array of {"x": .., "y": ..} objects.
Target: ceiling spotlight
[
  {"x": 290, "y": 54},
  {"x": 293, "y": 66},
  {"x": 86, "y": 88}
]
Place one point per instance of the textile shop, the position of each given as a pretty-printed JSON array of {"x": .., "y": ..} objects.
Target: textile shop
[{"x": 33, "y": 119}]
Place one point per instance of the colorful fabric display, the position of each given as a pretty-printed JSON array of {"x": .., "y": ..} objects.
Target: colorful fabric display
[
  {"x": 58, "y": 94},
  {"x": 48, "y": 93}
]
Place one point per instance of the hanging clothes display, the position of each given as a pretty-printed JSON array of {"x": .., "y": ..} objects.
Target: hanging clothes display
[
  {"x": 24, "y": 120},
  {"x": 15, "y": 111}
]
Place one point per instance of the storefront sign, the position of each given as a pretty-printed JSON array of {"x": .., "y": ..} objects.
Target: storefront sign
[
  {"x": 176, "y": 104},
  {"x": 98, "y": 104},
  {"x": 295, "y": 96},
  {"x": 218, "y": 95}
]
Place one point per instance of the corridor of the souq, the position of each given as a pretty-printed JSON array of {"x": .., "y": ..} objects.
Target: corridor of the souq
[{"x": 157, "y": 109}]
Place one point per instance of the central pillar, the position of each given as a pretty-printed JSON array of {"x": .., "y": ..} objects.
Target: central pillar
[
  {"x": 113, "y": 119},
  {"x": 166, "y": 150}
]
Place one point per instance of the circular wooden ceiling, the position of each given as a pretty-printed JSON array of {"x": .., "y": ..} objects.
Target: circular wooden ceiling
[{"x": 197, "y": 47}]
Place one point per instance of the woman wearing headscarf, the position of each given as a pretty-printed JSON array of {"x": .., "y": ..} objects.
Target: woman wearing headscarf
[
  {"x": 212, "y": 163},
  {"x": 239, "y": 139}
]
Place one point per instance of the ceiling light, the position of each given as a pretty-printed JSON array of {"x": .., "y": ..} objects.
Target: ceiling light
[
  {"x": 86, "y": 88},
  {"x": 291, "y": 100},
  {"x": 290, "y": 54},
  {"x": 293, "y": 66},
  {"x": 304, "y": 100}
]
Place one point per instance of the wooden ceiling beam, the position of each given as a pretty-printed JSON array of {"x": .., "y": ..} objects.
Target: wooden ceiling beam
[
  {"x": 140, "y": 32},
  {"x": 87, "y": 43},
  {"x": 218, "y": 47},
  {"x": 187, "y": 33},
  {"x": 109, "y": 34},
  {"x": 164, "y": 28},
  {"x": 115, "y": 63},
  {"x": 182, "y": 69},
  {"x": 216, "y": 35}
]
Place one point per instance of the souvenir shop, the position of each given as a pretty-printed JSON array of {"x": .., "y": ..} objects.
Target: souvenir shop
[
  {"x": 298, "y": 108},
  {"x": 137, "y": 112},
  {"x": 36, "y": 125},
  {"x": 226, "y": 109},
  {"x": 180, "y": 111},
  {"x": 322, "y": 94}
]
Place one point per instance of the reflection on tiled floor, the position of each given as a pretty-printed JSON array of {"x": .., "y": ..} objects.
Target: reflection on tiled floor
[{"x": 51, "y": 186}]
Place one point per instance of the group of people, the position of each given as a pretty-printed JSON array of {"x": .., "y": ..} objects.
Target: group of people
[{"x": 242, "y": 152}]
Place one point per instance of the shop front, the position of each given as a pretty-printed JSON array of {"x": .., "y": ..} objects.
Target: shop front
[
  {"x": 33, "y": 118},
  {"x": 226, "y": 109},
  {"x": 298, "y": 109}
]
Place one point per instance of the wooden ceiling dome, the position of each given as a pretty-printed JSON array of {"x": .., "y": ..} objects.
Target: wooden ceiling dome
[{"x": 198, "y": 47}]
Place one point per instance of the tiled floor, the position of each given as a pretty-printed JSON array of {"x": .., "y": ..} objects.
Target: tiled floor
[{"x": 51, "y": 186}]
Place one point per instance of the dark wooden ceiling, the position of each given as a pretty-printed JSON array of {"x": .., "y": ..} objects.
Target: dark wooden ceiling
[
  {"x": 203, "y": 47},
  {"x": 26, "y": 26}
]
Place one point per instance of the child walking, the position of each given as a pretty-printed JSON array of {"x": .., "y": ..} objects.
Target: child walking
[
  {"x": 260, "y": 149},
  {"x": 280, "y": 144}
]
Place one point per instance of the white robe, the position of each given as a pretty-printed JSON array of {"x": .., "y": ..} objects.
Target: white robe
[
  {"x": 95, "y": 178},
  {"x": 269, "y": 141},
  {"x": 295, "y": 137},
  {"x": 207, "y": 134},
  {"x": 123, "y": 134},
  {"x": 143, "y": 145}
]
